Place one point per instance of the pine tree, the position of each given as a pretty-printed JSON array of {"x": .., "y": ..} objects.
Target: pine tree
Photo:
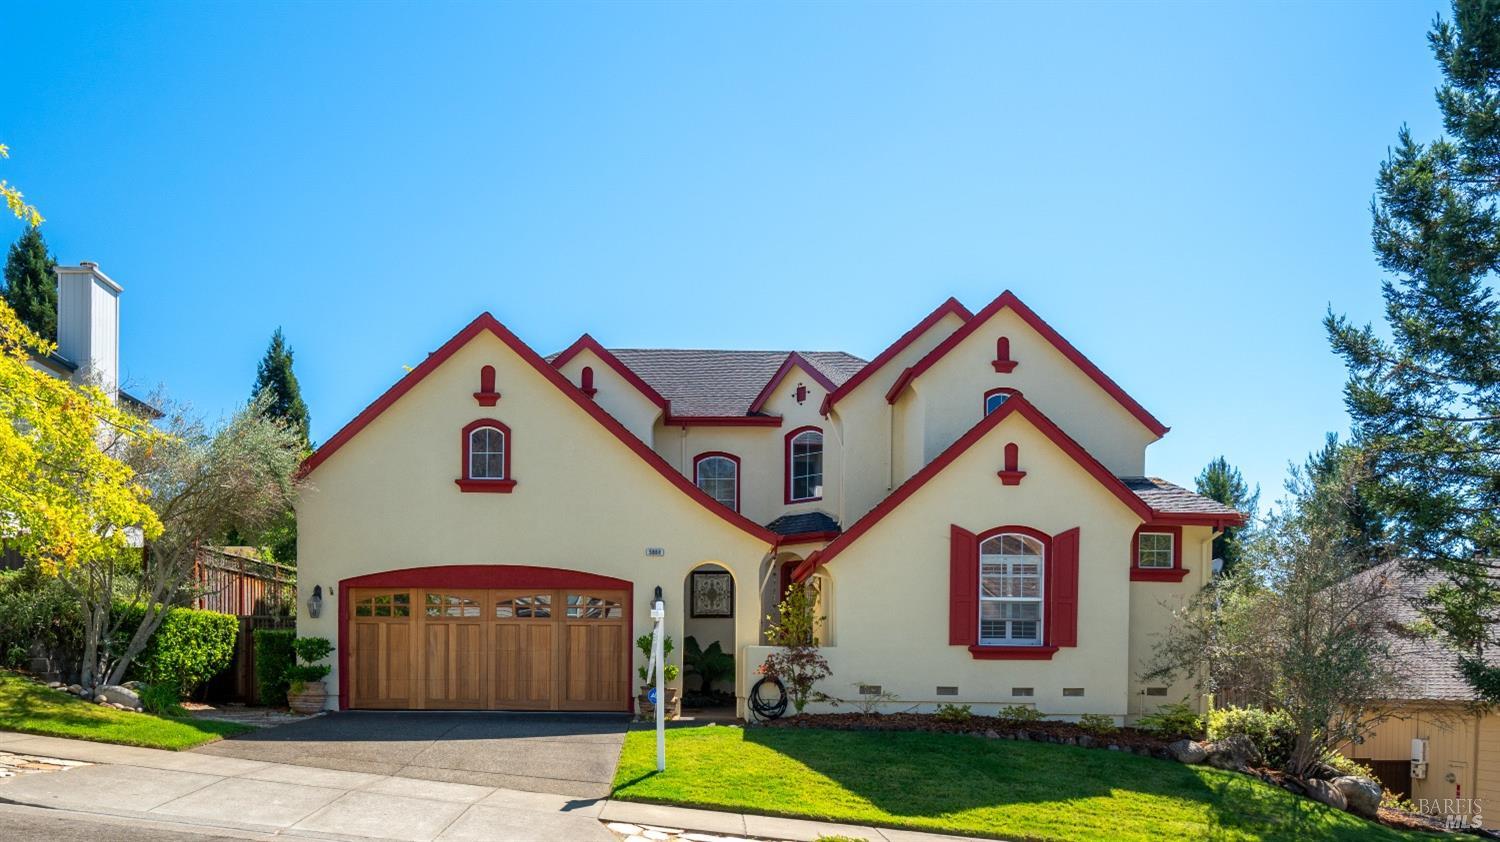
[
  {"x": 1426, "y": 402},
  {"x": 274, "y": 377},
  {"x": 1222, "y": 481},
  {"x": 31, "y": 284},
  {"x": 1343, "y": 470}
]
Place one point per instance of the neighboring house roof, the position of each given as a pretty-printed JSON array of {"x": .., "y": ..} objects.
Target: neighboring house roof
[
  {"x": 1180, "y": 505},
  {"x": 805, "y": 523},
  {"x": 1008, "y": 300},
  {"x": 66, "y": 368},
  {"x": 486, "y": 322},
  {"x": 1429, "y": 663},
  {"x": 1015, "y": 405},
  {"x": 951, "y": 306},
  {"x": 727, "y": 384}
]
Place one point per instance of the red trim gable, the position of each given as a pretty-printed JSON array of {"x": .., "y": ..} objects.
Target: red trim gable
[
  {"x": 586, "y": 342},
  {"x": 487, "y": 322},
  {"x": 792, "y": 360},
  {"x": 947, "y": 307},
  {"x": 1017, "y": 404},
  {"x": 1009, "y": 300}
]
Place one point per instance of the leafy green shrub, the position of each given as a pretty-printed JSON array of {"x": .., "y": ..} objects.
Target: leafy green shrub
[
  {"x": 160, "y": 699},
  {"x": 669, "y": 670},
  {"x": 36, "y": 609},
  {"x": 1020, "y": 713},
  {"x": 189, "y": 648},
  {"x": 1272, "y": 732},
  {"x": 954, "y": 713},
  {"x": 1097, "y": 723},
  {"x": 274, "y": 659},
  {"x": 309, "y": 651},
  {"x": 1172, "y": 721},
  {"x": 1347, "y": 765}
]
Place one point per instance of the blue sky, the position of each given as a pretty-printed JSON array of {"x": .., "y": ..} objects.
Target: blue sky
[{"x": 1181, "y": 190}]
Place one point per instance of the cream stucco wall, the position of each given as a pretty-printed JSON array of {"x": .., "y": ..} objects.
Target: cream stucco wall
[
  {"x": 952, "y": 391},
  {"x": 1151, "y": 607},
  {"x": 616, "y": 395},
  {"x": 890, "y": 594},
  {"x": 865, "y": 421},
  {"x": 762, "y": 451},
  {"x": 583, "y": 500}
]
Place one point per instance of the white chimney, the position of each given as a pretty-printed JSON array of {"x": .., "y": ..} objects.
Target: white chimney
[{"x": 88, "y": 324}]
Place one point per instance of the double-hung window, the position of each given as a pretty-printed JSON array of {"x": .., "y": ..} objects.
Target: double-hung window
[
  {"x": 805, "y": 465},
  {"x": 718, "y": 474},
  {"x": 1010, "y": 590}
]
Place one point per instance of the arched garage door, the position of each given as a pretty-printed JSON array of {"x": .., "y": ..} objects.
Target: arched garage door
[{"x": 500, "y": 637}]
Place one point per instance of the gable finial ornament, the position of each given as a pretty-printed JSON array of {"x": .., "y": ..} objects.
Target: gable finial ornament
[
  {"x": 1011, "y": 474},
  {"x": 1003, "y": 363},
  {"x": 487, "y": 396}
]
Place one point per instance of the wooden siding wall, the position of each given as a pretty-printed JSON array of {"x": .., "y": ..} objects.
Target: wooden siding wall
[{"x": 1450, "y": 732}]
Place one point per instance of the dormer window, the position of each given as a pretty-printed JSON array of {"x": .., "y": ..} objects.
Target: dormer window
[
  {"x": 995, "y": 397},
  {"x": 486, "y": 457},
  {"x": 804, "y": 465}
]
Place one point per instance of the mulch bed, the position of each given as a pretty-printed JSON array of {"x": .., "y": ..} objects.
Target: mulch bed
[{"x": 1061, "y": 733}]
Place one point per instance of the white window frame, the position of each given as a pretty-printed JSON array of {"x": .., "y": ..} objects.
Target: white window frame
[
  {"x": 1140, "y": 551},
  {"x": 791, "y": 468},
  {"x": 734, "y": 479},
  {"x": 475, "y": 451},
  {"x": 998, "y": 399},
  {"x": 1040, "y": 599}
]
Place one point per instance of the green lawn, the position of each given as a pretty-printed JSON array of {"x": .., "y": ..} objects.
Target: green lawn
[
  {"x": 967, "y": 785},
  {"x": 33, "y": 709}
]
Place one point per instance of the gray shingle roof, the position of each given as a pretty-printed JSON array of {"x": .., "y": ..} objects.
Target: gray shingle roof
[
  {"x": 802, "y": 523},
  {"x": 709, "y": 383},
  {"x": 1430, "y": 664},
  {"x": 1167, "y": 498}
]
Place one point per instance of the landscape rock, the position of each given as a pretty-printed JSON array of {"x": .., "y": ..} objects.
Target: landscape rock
[
  {"x": 1326, "y": 793},
  {"x": 75, "y": 689},
  {"x": 1188, "y": 751},
  {"x": 1235, "y": 753},
  {"x": 54, "y": 684},
  {"x": 1361, "y": 794},
  {"x": 116, "y": 694},
  {"x": 992, "y": 734}
]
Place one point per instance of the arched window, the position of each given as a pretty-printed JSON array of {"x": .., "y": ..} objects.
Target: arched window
[
  {"x": 718, "y": 474},
  {"x": 1011, "y": 570},
  {"x": 804, "y": 465},
  {"x": 995, "y": 397},
  {"x": 487, "y": 445},
  {"x": 486, "y": 453}
]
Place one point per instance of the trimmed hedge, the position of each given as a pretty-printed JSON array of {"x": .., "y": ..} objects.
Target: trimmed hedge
[
  {"x": 274, "y": 660},
  {"x": 190, "y": 647}
]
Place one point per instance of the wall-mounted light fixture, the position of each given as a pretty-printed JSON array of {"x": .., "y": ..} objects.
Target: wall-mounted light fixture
[{"x": 315, "y": 602}]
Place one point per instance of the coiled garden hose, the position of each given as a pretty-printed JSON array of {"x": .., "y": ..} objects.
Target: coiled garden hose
[{"x": 773, "y": 708}]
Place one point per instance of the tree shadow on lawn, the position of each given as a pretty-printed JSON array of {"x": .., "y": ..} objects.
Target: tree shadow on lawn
[{"x": 931, "y": 776}]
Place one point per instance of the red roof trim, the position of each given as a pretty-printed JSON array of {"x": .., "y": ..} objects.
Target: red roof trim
[
  {"x": 1008, "y": 299},
  {"x": 949, "y": 306},
  {"x": 586, "y": 342},
  {"x": 1017, "y": 404},
  {"x": 793, "y": 359},
  {"x": 487, "y": 322},
  {"x": 1217, "y": 521},
  {"x": 808, "y": 537}
]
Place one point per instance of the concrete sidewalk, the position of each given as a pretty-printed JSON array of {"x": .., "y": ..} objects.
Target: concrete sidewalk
[{"x": 189, "y": 788}]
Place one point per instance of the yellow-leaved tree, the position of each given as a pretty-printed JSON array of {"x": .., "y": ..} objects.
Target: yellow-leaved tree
[
  {"x": 14, "y": 200},
  {"x": 65, "y": 497}
]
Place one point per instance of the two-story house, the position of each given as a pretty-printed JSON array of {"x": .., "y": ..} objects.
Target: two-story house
[{"x": 972, "y": 505}]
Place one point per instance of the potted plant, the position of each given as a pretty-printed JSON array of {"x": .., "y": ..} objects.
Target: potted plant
[
  {"x": 306, "y": 693},
  {"x": 669, "y": 673}
]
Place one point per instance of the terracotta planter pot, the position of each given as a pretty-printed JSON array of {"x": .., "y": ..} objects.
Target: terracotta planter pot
[
  {"x": 646, "y": 710},
  {"x": 310, "y": 700}
]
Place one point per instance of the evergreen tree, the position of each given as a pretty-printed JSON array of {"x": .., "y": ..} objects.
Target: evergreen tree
[
  {"x": 1222, "y": 481},
  {"x": 31, "y": 284},
  {"x": 274, "y": 376},
  {"x": 1345, "y": 468},
  {"x": 275, "y": 380},
  {"x": 1426, "y": 402}
]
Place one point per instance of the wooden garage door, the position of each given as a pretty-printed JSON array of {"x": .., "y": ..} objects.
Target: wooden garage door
[{"x": 512, "y": 649}]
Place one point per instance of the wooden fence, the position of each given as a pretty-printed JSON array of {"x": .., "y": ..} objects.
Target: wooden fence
[
  {"x": 263, "y": 594},
  {"x": 237, "y": 682}
]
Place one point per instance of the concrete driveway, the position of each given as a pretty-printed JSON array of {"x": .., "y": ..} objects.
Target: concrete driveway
[{"x": 563, "y": 754}]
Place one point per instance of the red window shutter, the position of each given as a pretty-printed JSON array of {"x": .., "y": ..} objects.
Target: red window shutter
[
  {"x": 963, "y": 588},
  {"x": 1062, "y": 619}
]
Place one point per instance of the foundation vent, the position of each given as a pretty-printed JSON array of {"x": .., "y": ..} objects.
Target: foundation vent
[
  {"x": 947, "y": 691},
  {"x": 1072, "y": 691},
  {"x": 1156, "y": 691},
  {"x": 869, "y": 689},
  {"x": 1022, "y": 691}
]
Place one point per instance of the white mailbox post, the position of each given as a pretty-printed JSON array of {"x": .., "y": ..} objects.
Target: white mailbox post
[{"x": 656, "y": 668}]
